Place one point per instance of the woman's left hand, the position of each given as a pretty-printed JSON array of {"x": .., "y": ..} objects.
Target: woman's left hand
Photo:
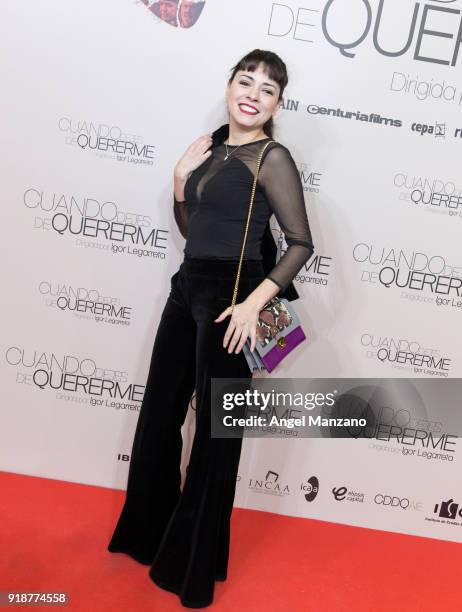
[{"x": 243, "y": 324}]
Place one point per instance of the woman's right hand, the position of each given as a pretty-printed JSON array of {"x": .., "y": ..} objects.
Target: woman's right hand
[{"x": 195, "y": 155}]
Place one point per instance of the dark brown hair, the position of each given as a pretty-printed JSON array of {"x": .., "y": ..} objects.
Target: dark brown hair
[{"x": 275, "y": 67}]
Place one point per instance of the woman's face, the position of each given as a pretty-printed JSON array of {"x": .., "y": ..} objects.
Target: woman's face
[{"x": 252, "y": 98}]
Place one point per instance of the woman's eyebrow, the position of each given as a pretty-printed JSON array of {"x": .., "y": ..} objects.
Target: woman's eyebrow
[{"x": 251, "y": 77}]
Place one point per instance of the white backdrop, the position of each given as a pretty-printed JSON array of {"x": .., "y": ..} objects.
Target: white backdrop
[{"x": 381, "y": 186}]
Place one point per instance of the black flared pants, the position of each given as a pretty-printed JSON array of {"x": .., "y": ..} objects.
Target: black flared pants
[{"x": 184, "y": 535}]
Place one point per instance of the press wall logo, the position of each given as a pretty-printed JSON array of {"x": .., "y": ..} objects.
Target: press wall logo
[
  {"x": 423, "y": 89},
  {"x": 343, "y": 493},
  {"x": 419, "y": 439},
  {"x": 361, "y": 27},
  {"x": 407, "y": 429},
  {"x": 360, "y": 116},
  {"x": 96, "y": 223},
  {"x": 316, "y": 271},
  {"x": 74, "y": 379},
  {"x": 406, "y": 354},
  {"x": 310, "y": 488},
  {"x": 269, "y": 485},
  {"x": 353, "y": 115},
  {"x": 429, "y": 194},
  {"x": 400, "y": 503},
  {"x": 446, "y": 512},
  {"x": 438, "y": 130},
  {"x": 420, "y": 277},
  {"x": 106, "y": 141},
  {"x": 310, "y": 179},
  {"x": 82, "y": 302}
]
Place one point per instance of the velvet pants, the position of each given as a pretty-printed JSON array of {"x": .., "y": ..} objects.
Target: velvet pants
[{"x": 184, "y": 535}]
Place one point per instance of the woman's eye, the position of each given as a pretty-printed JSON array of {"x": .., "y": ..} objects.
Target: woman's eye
[{"x": 265, "y": 90}]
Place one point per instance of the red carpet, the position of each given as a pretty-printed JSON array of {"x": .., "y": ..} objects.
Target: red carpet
[{"x": 54, "y": 536}]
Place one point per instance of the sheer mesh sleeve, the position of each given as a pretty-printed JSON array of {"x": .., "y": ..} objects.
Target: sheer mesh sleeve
[
  {"x": 281, "y": 181},
  {"x": 181, "y": 213}
]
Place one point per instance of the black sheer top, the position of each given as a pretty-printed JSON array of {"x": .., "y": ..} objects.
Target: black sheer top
[{"x": 213, "y": 215}]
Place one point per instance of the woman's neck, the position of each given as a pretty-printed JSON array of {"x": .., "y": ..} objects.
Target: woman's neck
[{"x": 239, "y": 137}]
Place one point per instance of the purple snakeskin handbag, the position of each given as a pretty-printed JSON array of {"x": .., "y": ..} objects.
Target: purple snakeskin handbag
[{"x": 278, "y": 328}]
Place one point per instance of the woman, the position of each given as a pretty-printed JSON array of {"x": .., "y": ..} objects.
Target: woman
[{"x": 184, "y": 535}]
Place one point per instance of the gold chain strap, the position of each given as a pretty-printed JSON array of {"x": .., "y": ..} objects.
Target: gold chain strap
[{"x": 233, "y": 301}]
